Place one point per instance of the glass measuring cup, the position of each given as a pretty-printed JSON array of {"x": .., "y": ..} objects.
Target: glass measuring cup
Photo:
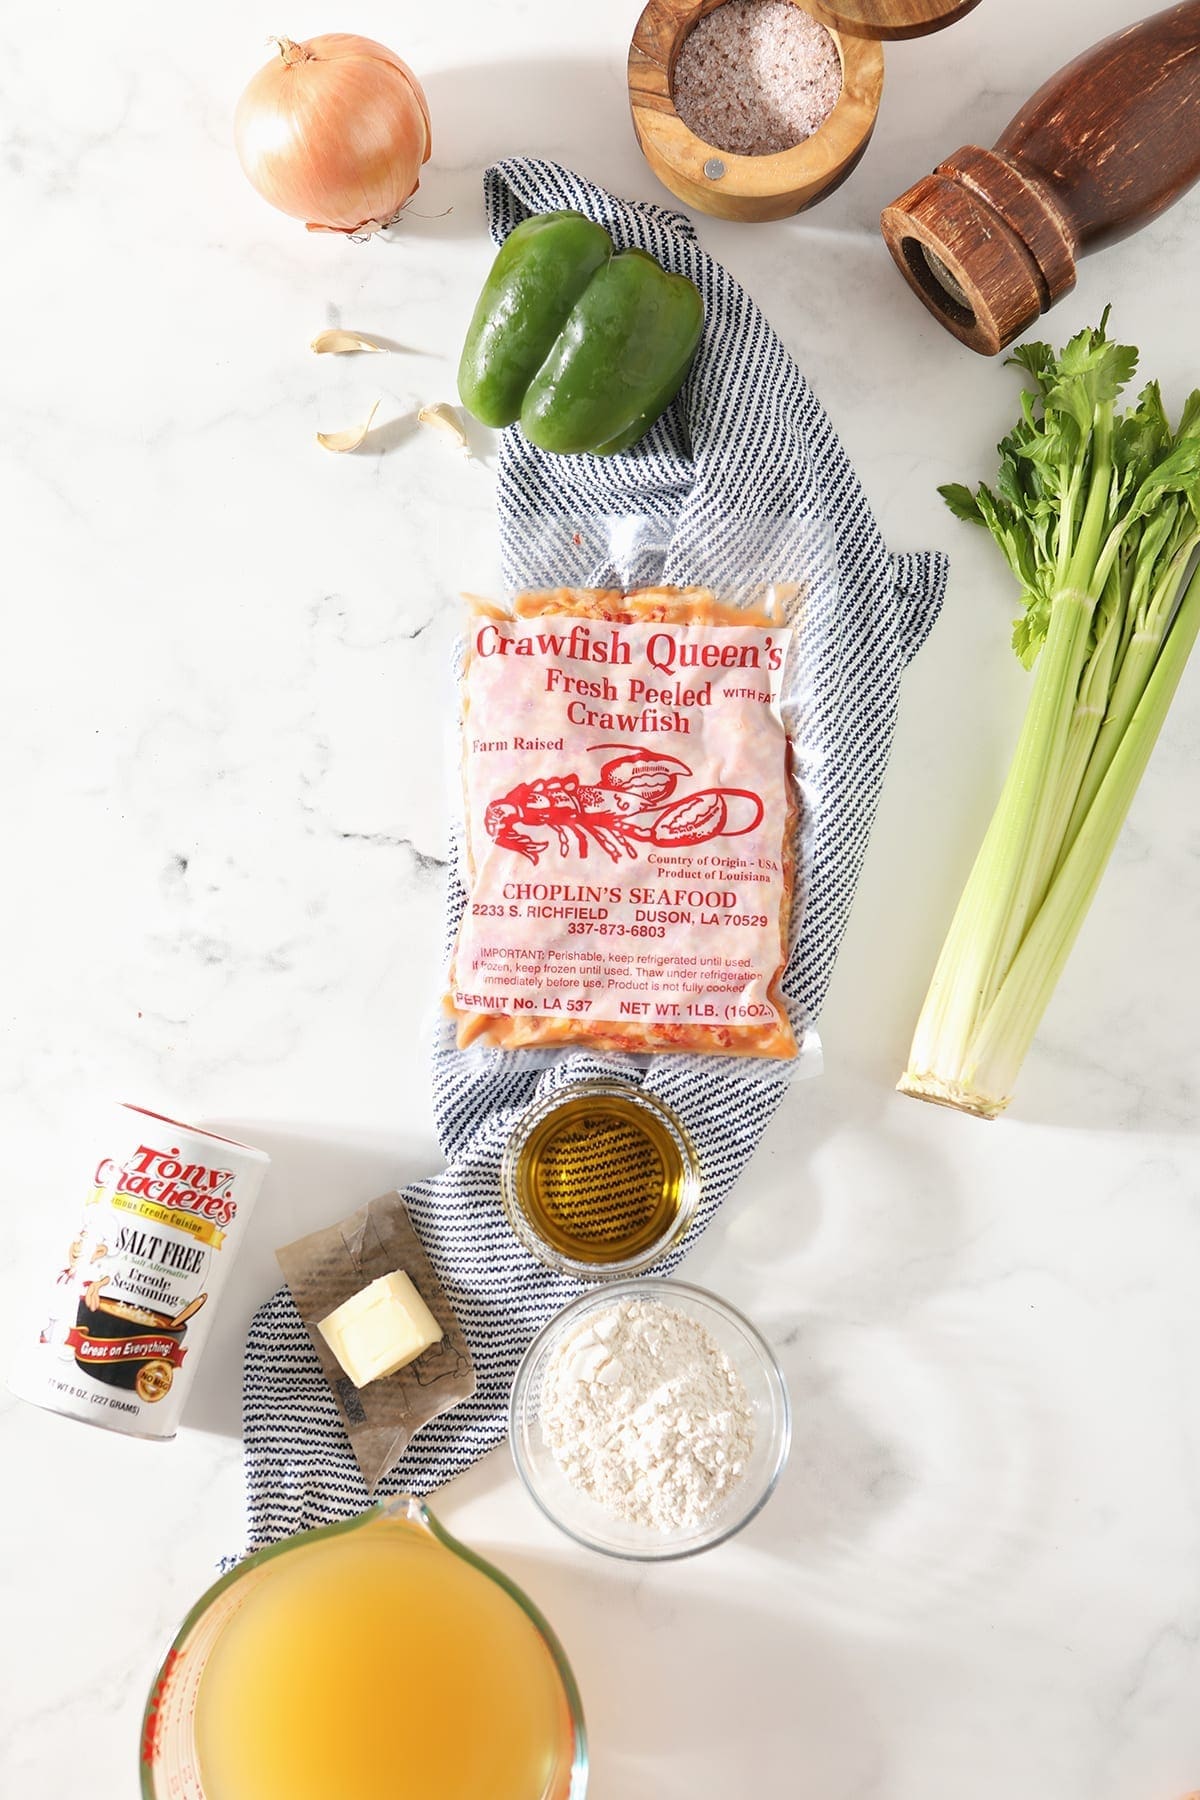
[{"x": 189, "y": 1740}]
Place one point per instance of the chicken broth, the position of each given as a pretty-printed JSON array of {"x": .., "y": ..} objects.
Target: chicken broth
[{"x": 375, "y": 1663}]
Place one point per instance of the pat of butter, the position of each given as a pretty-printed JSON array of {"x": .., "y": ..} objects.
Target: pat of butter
[{"x": 380, "y": 1329}]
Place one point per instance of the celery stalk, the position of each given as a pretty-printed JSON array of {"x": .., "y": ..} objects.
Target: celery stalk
[
  {"x": 1137, "y": 667},
  {"x": 1013, "y": 1018},
  {"x": 1098, "y": 514}
]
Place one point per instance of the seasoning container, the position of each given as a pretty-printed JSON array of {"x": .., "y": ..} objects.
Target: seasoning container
[
  {"x": 991, "y": 239},
  {"x": 600, "y": 1180},
  {"x": 133, "y": 1300},
  {"x": 774, "y": 92}
]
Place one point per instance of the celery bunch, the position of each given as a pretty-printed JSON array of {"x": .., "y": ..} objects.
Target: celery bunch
[{"x": 1098, "y": 514}]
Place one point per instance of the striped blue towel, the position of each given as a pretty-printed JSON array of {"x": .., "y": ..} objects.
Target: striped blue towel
[{"x": 745, "y": 460}]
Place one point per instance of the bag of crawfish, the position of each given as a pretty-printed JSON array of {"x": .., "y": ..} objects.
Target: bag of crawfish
[{"x": 634, "y": 820}]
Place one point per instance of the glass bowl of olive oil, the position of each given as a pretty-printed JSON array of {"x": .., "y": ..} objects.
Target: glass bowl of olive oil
[{"x": 600, "y": 1180}]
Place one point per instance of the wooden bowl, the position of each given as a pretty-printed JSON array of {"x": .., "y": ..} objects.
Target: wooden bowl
[
  {"x": 891, "y": 18},
  {"x": 745, "y": 187}
]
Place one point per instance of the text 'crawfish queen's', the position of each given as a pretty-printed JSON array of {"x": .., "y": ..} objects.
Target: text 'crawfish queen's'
[
  {"x": 631, "y": 823},
  {"x": 124, "y": 1321}
]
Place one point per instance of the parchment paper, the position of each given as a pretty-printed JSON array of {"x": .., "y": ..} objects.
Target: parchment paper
[{"x": 325, "y": 1269}]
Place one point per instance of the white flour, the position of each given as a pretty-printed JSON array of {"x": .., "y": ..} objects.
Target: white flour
[{"x": 646, "y": 1414}]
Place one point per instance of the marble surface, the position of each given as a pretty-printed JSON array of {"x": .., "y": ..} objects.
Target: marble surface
[{"x": 223, "y": 722}]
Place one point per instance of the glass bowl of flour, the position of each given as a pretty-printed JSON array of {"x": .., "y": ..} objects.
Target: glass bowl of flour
[{"x": 649, "y": 1420}]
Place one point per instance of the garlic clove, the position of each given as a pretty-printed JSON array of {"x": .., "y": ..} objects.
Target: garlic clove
[
  {"x": 338, "y": 343},
  {"x": 341, "y": 441},
  {"x": 443, "y": 418}
]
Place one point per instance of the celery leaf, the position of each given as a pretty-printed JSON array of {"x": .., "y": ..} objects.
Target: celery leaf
[{"x": 962, "y": 502}]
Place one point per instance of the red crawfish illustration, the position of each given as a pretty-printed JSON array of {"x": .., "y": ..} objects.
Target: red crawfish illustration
[{"x": 632, "y": 803}]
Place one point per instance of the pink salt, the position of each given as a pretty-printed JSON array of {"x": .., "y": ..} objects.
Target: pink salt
[{"x": 756, "y": 76}]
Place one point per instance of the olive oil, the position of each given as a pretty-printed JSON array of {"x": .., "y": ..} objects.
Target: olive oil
[{"x": 603, "y": 1177}]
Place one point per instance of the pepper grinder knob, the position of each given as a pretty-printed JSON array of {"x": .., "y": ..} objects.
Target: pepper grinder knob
[{"x": 991, "y": 239}]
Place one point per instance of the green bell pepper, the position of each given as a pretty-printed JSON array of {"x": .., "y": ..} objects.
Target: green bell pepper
[{"x": 585, "y": 345}]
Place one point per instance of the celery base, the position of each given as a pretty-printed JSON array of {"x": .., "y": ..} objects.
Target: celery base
[{"x": 950, "y": 1093}]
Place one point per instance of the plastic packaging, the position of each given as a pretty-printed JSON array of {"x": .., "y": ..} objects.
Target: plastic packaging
[{"x": 636, "y": 786}]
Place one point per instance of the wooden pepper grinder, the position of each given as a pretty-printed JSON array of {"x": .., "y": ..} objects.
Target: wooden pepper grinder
[{"x": 990, "y": 240}]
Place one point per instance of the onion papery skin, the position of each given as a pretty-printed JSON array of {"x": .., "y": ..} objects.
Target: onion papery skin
[{"x": 334, "y": 131}]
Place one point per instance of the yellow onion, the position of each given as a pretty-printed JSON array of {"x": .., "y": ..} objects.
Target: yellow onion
[{"x": 334, "y": 131}]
